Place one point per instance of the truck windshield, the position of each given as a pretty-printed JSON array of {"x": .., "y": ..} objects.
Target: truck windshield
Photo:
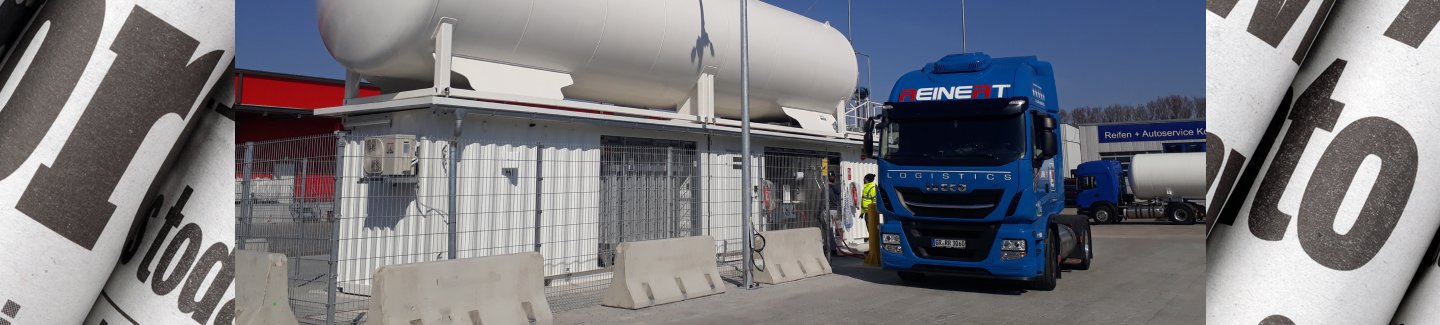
[{"x": 977, "y": 141}]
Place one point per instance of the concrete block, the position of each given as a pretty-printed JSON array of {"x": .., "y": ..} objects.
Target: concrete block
[
  {"x": 654, "y": 272},
  {"x": 791, "y": 255},
  {"x": 502, "y": 289},
  {"x": 262, "y": 294}
]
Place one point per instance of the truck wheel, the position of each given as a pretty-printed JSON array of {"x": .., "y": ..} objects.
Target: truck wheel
[
  {"x": 911, "y": 276},
  {"x": 1104, "y": 214},
  {"x": 1046, "y": 282},
  {"x": 1086, "y": 249},
  {"x": 1180, "y": 213}
]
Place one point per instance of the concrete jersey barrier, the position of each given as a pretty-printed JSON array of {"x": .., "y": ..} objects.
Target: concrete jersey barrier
[
  {"x": 502, "y": 289},
  {"x": 654, "y": 272},
  {"x": 791, "y": 255},
  {"x": 262, "y": 293}
]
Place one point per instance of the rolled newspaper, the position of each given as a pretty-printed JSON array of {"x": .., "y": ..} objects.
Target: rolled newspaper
[
  {"x": 95, "y": 103},
  {"x": 14, "y": 15},
  {"x": 1253, "y": 49},
  {"x": 1424, "y": 294},
  {"x": 1345, "y": 208},
  {"x": 184, "y": 270}
]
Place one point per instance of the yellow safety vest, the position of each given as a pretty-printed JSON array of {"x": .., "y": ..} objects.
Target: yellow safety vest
[{"x": 867, "y": 198}]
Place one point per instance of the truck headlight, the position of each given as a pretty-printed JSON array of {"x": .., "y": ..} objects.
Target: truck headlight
[
  {"x": 1012, "y": 249},
  {"x": 890, "y": 239},
  {"x": 1012, "y": 245},
  {"x": 893, "y": 249}
]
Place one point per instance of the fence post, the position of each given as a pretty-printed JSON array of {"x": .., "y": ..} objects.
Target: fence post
[
  {"x": 245, "y": 197},
  {"x": 300, "y": 195},
  {"x": 674, "y": 225},
  {"x": 335, "y": 228},
  {"x": 539, "y": 190},
  {"x": 830, "y": 211}
]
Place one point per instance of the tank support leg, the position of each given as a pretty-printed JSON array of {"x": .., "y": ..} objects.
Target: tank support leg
[
  {"x": 352, "y": 85},
  {"x": 701, "y": 103},
  {"x": 443, "y": 55}
]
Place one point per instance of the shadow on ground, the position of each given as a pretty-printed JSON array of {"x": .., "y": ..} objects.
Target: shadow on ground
[
  {"x": 856, "y": 268},
  {"x": 1143, "y": 222}
]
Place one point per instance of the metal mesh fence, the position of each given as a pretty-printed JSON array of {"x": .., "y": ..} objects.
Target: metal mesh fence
[
  {"x": 286, "y": 205},
  {"x": 339, "y": 212}
]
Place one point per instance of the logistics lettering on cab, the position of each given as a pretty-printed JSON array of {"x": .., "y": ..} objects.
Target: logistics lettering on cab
[{"x": 948, "y": 175}]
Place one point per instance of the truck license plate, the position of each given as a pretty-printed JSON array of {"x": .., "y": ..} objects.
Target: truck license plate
[{"x": 947, "y": 243}]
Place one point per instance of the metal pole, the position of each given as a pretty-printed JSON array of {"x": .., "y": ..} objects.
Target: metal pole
[
  {"x": 870, "y": 89},
  {"x": 670, "y": 191},
  {"x": 866, "y": 110},
  {"x": 539, "y": 190},
  {"x": 964, "y": 37},
  {"x": 331, "y": 285},
  {"x": 245, "y": 201},
  {"x": 452, "y": 178},
  {"x": 746, "y": 204},
  {"x": 304, "y": 164},
  {"x": 826, "y": 216},
  {"x": 849, "y": 32}
]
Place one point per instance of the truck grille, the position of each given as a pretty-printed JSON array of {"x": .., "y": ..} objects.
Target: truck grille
[
  {"x": 979, "y": 237},
  {"x": 970, "y": 205},
  {"x": 956, "y": 270}
]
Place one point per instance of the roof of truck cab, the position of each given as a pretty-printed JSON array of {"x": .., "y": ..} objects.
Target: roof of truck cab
[{"x": 1025, "y": 76}]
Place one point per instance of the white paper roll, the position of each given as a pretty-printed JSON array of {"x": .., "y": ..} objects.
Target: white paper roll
[
  {"x": 1346, "y": 206},
  {"x": 1251, "y": 56},
  {"x": 92, "y": 113}
]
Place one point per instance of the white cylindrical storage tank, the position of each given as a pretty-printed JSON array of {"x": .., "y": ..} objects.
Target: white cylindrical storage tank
[
  {"x": 1168, "y": 175},
  {"x": 638, "y": 53}
]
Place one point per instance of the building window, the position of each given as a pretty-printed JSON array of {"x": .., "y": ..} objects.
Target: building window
[{"x": 1184, "y": 147}]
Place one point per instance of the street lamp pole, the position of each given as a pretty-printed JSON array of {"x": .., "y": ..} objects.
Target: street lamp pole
[
  {"x": 964, "y": 35},
  {"x": 746, "y": 205}
]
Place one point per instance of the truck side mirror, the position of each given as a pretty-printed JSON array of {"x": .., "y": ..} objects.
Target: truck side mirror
[
  {"x": 1044, "y": 121},
  {"x": 867, "y": 147},
  {"x": 1048, "y": 145}
]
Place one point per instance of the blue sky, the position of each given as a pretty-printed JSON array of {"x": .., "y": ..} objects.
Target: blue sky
[{"x": 1122, "y": 52}]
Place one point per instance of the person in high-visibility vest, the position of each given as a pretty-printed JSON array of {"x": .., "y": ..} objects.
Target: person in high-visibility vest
[{"x": 872, "y": 220}]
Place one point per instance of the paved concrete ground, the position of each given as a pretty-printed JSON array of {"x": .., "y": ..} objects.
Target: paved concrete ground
[{"x": 1144, "y": 273}]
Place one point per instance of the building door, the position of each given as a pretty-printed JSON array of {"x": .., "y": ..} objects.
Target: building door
[{"x": 649, "y": 189}]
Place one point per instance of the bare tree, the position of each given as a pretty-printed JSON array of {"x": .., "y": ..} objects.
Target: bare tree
[{"x": 1172, "y": 107}]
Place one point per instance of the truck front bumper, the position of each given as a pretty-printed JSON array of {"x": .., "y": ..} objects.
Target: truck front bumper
[{"x": 982, "y": 260}]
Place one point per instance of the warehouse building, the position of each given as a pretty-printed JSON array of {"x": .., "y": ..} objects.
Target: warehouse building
[{"x": 1121, "y": 141}]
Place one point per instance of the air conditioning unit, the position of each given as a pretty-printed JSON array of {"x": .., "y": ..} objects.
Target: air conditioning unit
[{"x": 389, "y": 155}]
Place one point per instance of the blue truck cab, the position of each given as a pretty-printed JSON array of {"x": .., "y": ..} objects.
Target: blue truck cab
[
  {"x": 1107, "y": 191},
  {"x": 967, "y": 185},
  {"x": 1099, "y": 189}
]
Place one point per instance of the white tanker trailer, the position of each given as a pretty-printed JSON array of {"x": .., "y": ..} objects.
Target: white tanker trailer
[
  {"x": 1168, "y": 187},
  {"x": 636, "y": 53}
]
